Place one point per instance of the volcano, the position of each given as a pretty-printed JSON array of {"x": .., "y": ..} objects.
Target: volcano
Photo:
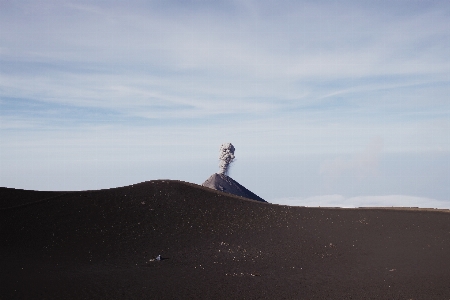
[{"x": 224, "y": 183}]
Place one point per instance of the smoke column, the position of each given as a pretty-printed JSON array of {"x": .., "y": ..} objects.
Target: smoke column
[{"x": 226, "y": 156}]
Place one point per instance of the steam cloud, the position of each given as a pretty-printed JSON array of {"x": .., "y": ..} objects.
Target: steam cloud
[{"x": 226, "y": 156}]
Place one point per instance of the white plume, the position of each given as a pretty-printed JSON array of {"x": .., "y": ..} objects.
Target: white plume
[{"x": 226, "y": 156}]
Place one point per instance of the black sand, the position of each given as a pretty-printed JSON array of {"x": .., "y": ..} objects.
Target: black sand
[{"x": 99, "y": 245}]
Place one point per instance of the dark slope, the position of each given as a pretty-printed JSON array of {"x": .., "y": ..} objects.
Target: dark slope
[
  {"x": 97, "y": 245},
  {"x": 16, "y": 197},
  {"x": 224, "y": 183}
]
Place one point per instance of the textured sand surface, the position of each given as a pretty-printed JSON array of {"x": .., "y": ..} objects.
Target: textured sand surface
[{"x": 102, "y": 245}]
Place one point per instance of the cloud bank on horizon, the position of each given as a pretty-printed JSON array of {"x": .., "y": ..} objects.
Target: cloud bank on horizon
[
  {"x": 335, "y": 97},
  {"x": 363, "y": 201}
]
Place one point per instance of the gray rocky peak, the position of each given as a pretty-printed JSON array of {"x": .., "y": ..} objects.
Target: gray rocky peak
[{"x": 224, "y": 183}]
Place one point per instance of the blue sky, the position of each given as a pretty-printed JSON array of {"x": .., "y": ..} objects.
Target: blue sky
[{"x": 342, "y": 103}]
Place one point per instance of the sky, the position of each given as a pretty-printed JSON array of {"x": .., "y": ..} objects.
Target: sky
[{"x": 328, "y": 103}]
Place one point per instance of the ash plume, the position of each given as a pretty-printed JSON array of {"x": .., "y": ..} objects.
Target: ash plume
[{"x": 226, "y": 156}]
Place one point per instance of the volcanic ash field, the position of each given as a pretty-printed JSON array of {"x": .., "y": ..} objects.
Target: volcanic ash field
[{"x": 213, "y": 245}]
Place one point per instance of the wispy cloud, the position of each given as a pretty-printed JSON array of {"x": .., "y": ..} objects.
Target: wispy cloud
[{"x": 243, "y": 52}]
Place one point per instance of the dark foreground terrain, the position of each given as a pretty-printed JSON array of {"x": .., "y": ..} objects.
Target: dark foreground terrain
[{"x": 102, "y": 245}]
